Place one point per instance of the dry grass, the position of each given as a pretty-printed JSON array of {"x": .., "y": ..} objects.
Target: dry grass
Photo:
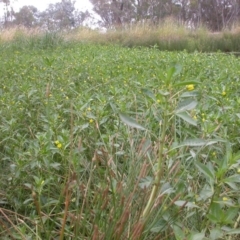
[
  {"x": 139, "y": 34},
  {"x": 167, "y": 35},
  {"x": 140, "y": 31},
  {"x": 12, "y": 33}
]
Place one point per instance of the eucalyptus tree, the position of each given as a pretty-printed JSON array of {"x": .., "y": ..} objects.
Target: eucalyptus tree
[
  {"x": 8, "y": 12},
  {"x": 116, "y": 13},
  {"x": 219, "y": 14},
  {"x": 28, "y": 16},
  {"x": 59, "y": 16},
  {"x": 215, "y": 14}
]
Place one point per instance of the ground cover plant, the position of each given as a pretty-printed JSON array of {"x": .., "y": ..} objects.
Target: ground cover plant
[{"x": 105, "y": 142}]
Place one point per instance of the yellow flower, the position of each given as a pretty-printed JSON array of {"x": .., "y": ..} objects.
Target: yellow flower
[
  {"x": 190, "y": 87},
  {"x": 89, "y": 109},
  {"x": 238, "y": 170},
  {"x": 195, "y": 117},
  {"x": 59, "y": 145},
  {"x": 225, "y": 199},
  {"x": 224, "y": 93},
  {"x": 91, "y": 121}
]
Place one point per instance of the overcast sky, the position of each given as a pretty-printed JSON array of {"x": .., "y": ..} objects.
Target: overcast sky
[{"x": 43, "y": 4}]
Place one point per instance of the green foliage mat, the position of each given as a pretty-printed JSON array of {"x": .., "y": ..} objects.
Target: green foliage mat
[{"x": 80, "y": 135}]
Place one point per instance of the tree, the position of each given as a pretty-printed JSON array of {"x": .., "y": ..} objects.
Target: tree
[
  {"x": 27, "y": 16},
  {"x": 219, "y": 14},
  {"x": 110, "y": 12},
  {"x": 120, "y": 12},
  {"x": 215, "y": 14},
  {"x": 8, "y": 12},
  {"x": 116, "y": 13},
  {"x": 80, "y": 17},
  {"x": 59, "y": 16}
]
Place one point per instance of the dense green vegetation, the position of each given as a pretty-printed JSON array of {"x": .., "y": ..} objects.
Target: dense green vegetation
[{"x": 105, "y": 142}]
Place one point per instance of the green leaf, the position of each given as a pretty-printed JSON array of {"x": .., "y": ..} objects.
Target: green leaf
[
  {"x": 186, "y": 105},
  {"x": 230, "y": 214},
  {"x": 190, "y": 94},
  {"x": 232, "y": 185},
  {"x": 187, "y": 118},
  {"x": 173, "y": 71},
  {"x": 216, "y": 234},
  {"x": 119, "y": 153},
  {"x": 28, "y": 185},
  {"x": 234, "y": 231},
  {"x": 216, "y": 212},
  {"x": 130, "y": 121},
  {"x": 205, "y": 170},
  {"x": 159, "y": 226},
  {"x": 210, "y": 142},
  {"x": 166, "y": 188},
  {"x": 113, "y": 106},
  {"x": 163, "y": 93},
  {"x": 206, "y": 192},
  {"x": 178, "y": 69},
  {"x": 197, "y": 236},
  {"x": 48, "y": 61},
  {"x": 235, "y": 158},
  {"x": 178, "y": 232},
  {"x": 55, "y": 165},
  {"x": 84, "y": 126},
  {"x": 226, "y": 203},
  {"x": 149, "y": 93},
  {"x": 181, "y": 203},
  {"x": 196, "y": 142},
  {"x": 145, "y": 182},
  {"x": 31, "y": 92},
  {"x": 213, "y": 218},
  {"x": 235, "y": 179}
]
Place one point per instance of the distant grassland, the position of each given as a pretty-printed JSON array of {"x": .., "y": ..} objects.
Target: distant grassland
[{"x": 166, "y": 36}]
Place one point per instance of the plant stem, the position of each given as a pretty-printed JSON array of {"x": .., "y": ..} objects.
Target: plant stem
[
  {"x": 235, "y": 226},
  {"x": 155, "y": 189},
  {"x": 67, "y": 201}
]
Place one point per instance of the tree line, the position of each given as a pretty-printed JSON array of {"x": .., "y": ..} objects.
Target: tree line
[
  {"x": 214, "y": 14},
  {"x": 59, "y": 16}
]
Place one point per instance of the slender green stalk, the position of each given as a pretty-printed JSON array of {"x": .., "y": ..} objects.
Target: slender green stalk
[{"x": 155, "y": 189}]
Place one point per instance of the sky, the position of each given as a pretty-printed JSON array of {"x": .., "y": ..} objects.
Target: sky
[{"x": 41, "y": 5}]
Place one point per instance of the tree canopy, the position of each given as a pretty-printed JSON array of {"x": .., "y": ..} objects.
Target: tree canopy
[
  {"x": 214, "y": 14},
  {"x": 58, "y": 16}
]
